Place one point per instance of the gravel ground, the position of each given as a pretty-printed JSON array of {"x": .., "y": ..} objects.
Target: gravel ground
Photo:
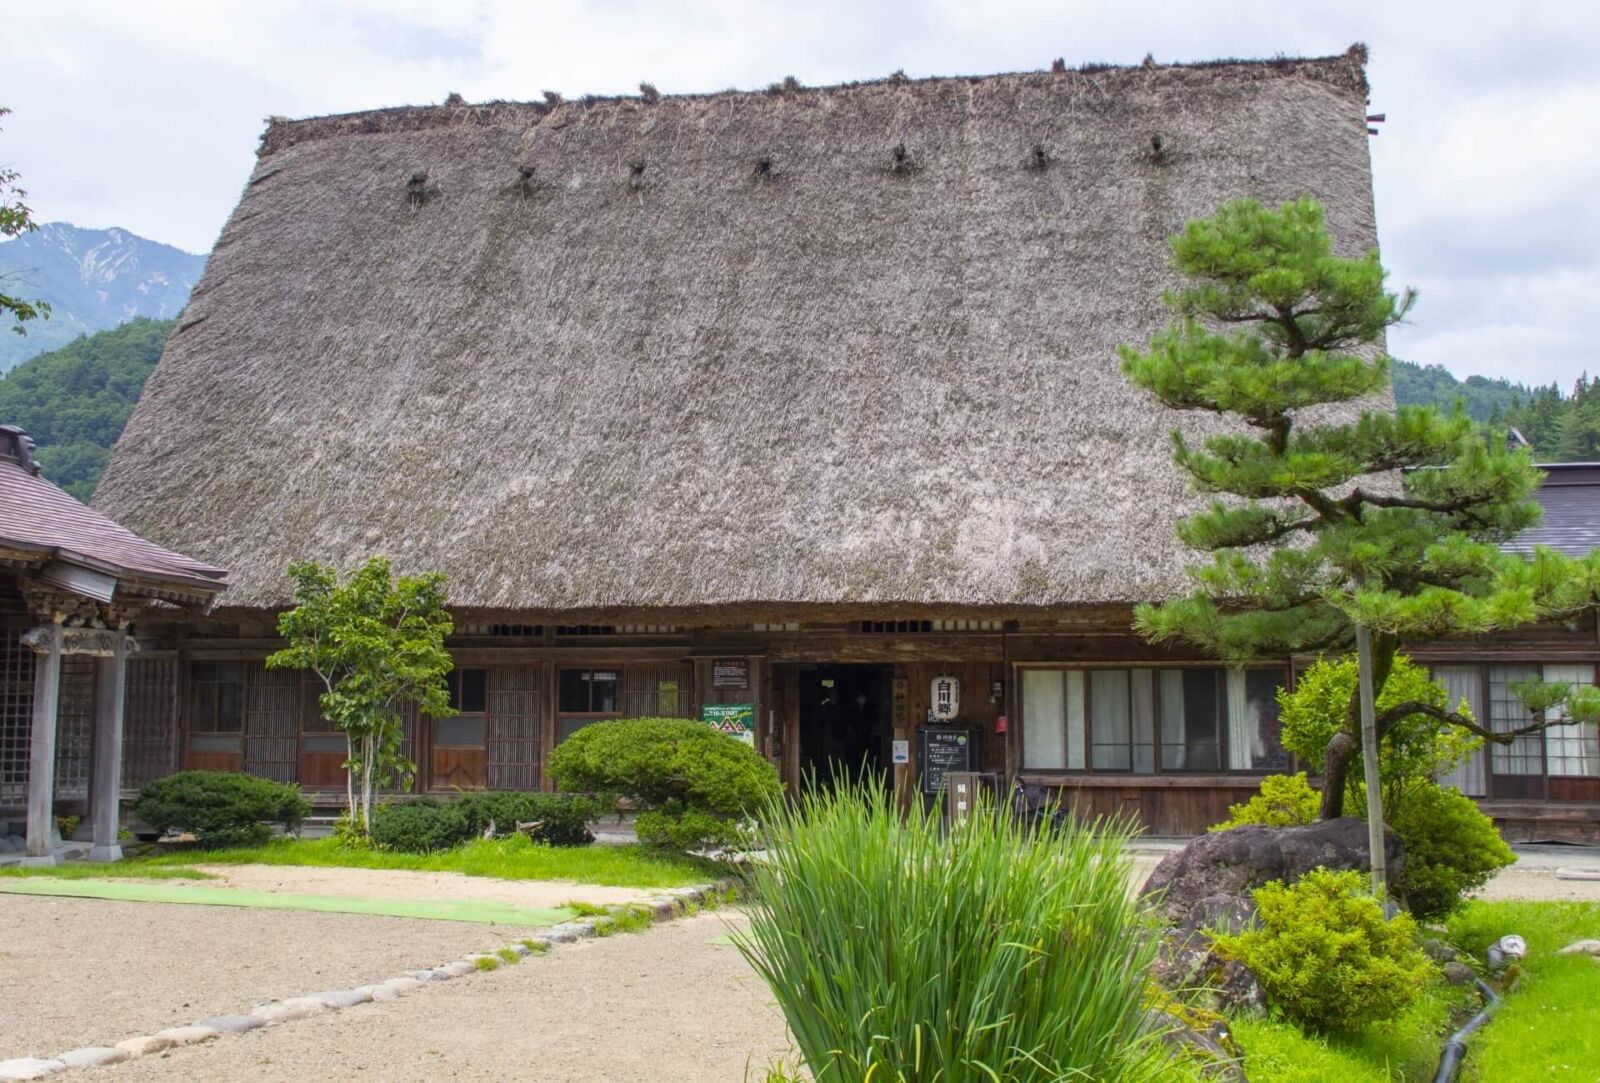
[
  {"x": 676, "y": 1003},
  {"x": 85, "y": 971}
]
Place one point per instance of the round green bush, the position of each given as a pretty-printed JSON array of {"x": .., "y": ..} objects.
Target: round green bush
[
  {"x": 1284, "y": 801},
  {"x": 220, "y": 808},
  {"x": 1451, "y": 848},
  {"x": 420, "y": 827},
  {"x": 1325, "y": 954},
  {"x": 699, "y": 783}
]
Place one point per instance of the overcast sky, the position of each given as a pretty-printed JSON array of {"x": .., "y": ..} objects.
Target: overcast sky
[{"x": 145, "y": 115}]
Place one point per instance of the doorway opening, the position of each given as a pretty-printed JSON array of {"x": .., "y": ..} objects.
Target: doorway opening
[{"x": 845, "y": 727}]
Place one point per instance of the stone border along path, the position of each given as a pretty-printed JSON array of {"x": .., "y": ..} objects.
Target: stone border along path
[{"x": 663, "y": 907}]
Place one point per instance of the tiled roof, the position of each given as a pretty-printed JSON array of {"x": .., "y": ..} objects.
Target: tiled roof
[
  {"x": 35, "y": 516},
  {"x": 1570, "y": 497}
]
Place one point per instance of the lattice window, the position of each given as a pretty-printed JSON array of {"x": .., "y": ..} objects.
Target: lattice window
[
  {"x": 150, "y": 728},
  {"x": 514, "y": 708},
  {"x": 1525, "y": 754},
  {"x": 75, "y": 726},
  {"x": 16, "y": 714}
]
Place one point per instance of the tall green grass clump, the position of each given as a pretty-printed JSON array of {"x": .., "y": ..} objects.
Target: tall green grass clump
[{"x": 901, "y": 953}]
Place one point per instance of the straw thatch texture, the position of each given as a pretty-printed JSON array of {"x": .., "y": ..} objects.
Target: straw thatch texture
[{"x": 659, "y": 373}]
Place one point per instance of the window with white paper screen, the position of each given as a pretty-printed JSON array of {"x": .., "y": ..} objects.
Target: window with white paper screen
[
  {"x": 1143, "y": 691},
  {"x": 1109, "y": 708},
  {"x": 1075, "y": 720},
  {"x": 1465, "y": 683},
  {"x": 1044, "y": 719},
  {"x": 1525, "y": 754},
  {"x": 1571, "y": 749}
]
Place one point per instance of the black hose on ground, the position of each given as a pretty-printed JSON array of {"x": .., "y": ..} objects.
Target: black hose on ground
[{"x": 1455, "y": 1050}]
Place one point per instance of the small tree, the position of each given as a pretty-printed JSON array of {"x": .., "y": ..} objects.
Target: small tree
[
  {"x": 1321, "y": 544},
  {"x": 375, "y": 643},
  {"x": 15, "y": 220}
]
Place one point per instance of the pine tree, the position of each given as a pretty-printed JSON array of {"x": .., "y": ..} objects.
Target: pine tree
[{"x": 1320, "y": 531}]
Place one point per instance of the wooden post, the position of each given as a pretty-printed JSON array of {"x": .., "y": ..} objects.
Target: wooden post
[
  {"x": 42, "y": 751},
  {"x": 109, "y": 696},
  {"x": 1369, "y": 760}
]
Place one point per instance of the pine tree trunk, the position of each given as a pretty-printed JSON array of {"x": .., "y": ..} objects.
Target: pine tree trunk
[{"x": 1346, "y": 744}]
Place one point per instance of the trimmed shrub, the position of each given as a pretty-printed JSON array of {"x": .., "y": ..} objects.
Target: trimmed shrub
[
  {"x": 563, "y": 818},
  {"x": 1451, "y": 848},
  {"x": 1284, "y": 801},
  {"x": 220, "y": 808},
  {"x": 898, "y": 949},
  {"x": 1326, "y": 955},
  {"x": 693, "y": 785},
  {"x": 419, "y": 827}
]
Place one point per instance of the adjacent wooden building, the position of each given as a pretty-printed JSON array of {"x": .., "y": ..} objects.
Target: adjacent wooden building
[{"x": 805, "y": 400}]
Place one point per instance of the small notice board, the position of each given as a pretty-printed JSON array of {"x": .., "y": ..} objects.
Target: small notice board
[
  {"x": 734, "y": 719},
  {"x": 730, "y": 673},
  {"x": 942, "y": 749}
]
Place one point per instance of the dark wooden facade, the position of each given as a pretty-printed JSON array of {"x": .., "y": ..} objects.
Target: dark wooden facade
[{"x": 502, "y": 737}]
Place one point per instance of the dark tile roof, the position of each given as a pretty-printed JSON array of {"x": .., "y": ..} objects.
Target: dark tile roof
[
  {"x": 37, "y": 517},
  {"x": 1570, "y": 497}
]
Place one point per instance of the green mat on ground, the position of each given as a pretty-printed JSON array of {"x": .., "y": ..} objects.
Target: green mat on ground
[{"x": 487, "y": 913}]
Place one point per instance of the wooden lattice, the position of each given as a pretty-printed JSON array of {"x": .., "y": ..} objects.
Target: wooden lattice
[
  {"x": 514, "y": 727},
  {"x": 16, "y": 715}
]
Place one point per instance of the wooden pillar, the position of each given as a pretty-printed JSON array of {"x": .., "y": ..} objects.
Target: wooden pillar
[
  {"x": 42, "y": 749},
  {"x": 106, "y": 789}
]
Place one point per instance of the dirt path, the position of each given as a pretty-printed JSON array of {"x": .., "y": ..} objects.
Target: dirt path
[
  {"x": 85, "y": 971},
  {"x": 405, "y": 884},
  {"x": 676, "y": 1003}
]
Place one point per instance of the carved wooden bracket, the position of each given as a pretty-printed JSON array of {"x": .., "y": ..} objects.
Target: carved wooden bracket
[{"x": 101, "y": 642}]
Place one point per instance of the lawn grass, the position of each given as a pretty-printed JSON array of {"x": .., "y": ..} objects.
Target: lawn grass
[
  {"x": 1405, "y": 1048},
  {"x": 1548, "y": 1027},
  {"x": 118, "y": 870},
  {"x": 506, "y": 859}
]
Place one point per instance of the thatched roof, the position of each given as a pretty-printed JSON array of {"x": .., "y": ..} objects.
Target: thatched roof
[{"x": 728, "y": 348}]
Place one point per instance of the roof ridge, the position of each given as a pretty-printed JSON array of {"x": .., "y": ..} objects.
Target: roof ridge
[{"x": 1347, "y": 69}]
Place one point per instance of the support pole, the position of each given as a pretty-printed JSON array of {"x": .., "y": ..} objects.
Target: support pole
[
  {"x": 1369, "y": 761},
  {"x": 42, "y": 751},
  {"x": 109, "y": 699}
]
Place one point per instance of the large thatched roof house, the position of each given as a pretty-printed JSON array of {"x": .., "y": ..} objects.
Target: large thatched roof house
[{"x": 794, "y": 399}]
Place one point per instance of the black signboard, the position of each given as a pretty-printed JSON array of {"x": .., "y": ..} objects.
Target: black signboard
[{"x": 942, "y": 749}]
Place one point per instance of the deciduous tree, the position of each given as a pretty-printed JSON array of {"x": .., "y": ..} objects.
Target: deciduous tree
[{"x": 376, "y": 642}]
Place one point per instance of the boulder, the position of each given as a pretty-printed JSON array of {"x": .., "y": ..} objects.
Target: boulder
[
  {"x": 1205, "y": 888},
  {"x": 1204, "y": 1039},
  {"x": 1234, "y": 862}
]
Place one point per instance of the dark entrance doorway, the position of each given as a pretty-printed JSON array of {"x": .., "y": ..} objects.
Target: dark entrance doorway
[{"x": 844, "y": 722}]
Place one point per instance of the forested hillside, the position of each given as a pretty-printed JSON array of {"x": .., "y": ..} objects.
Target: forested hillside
[
  {"x": 1416, "y": 384},
  {"x": 74, "y": 401},
  {"x": 1562, "y": 427}
]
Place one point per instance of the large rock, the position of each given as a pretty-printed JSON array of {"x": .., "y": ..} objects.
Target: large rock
[
  {"x": 1205, "y": 888},
  {"x": 1234, "y": 862}
]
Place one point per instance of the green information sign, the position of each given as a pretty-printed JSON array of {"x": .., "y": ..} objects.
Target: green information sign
[{"x": 734, "y": 719}]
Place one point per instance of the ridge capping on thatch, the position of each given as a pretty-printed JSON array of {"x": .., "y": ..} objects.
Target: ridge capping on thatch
[{"x": 1346, "y": 70}]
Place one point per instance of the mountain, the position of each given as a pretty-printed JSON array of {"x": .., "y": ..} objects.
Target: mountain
[
  {"x": 93, "y": 279},
  {"x": 75, "y": 400}
]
